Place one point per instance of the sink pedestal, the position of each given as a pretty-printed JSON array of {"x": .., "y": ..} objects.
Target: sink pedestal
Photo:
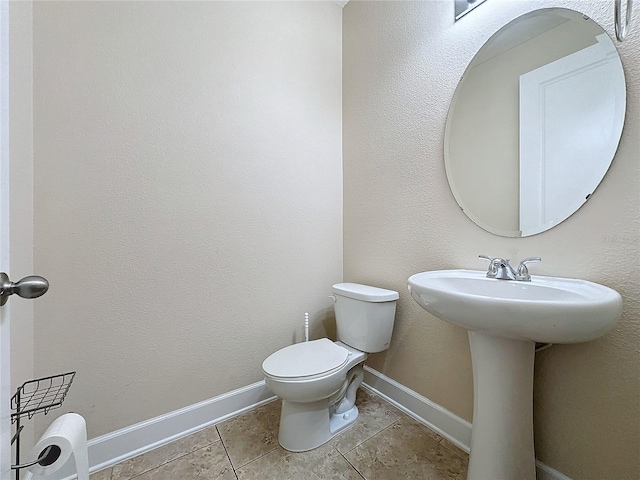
[{"x": 502, "y": 434}]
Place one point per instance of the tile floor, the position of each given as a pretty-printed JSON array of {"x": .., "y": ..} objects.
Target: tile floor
[{"x": 384, "y": 444}]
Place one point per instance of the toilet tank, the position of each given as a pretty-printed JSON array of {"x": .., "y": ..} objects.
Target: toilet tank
[{"x": 364, "y": 316}]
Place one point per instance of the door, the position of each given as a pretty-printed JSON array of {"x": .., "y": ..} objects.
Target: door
[
  {"x": 558, "y": 139},
  {"x": 5, "y": 365}
]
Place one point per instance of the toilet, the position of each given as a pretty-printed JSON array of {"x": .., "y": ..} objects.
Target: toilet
[{"x": 317, "y": 380}]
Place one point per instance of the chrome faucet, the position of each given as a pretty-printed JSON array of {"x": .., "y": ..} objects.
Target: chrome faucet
[{"x": 501, "y": 269}]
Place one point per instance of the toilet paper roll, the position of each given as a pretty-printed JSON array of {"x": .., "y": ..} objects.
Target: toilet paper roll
[{"x": 67, "y": 435}]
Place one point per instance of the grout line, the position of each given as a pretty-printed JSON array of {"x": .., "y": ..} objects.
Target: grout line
[
  {"x": 380, "y": 400},
  {"x": 372, "y": 436},
  {"x": 252, "y": 410},
  {"x": 164, "y": 463},
  {"x": 246, "y": 463},
  {"x": 184, "y": 454},
  {"x": 235, "y": 474},
  {"x": 259, "y": 457},
  {"x": 152, "y": 468},
  {"x": 351, "y": 464}
]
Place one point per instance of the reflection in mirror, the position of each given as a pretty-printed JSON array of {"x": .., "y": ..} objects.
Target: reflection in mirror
[{"x": 535, "y": 122}]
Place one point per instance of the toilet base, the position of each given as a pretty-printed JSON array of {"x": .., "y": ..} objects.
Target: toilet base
[
  {"x": 339, "y": 421},
  {"x": 305, "y": 426}
]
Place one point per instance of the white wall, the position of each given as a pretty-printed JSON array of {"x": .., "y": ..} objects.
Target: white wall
[
  {"x": 21, "y": 192},
  {"x": 402, "y": 62},
  {"x": 188, "y": 195}
]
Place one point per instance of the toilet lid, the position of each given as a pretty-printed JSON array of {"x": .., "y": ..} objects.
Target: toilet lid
[{"x": 305, "y": 359}]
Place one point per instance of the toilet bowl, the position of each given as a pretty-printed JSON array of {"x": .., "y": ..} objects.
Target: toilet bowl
[
  {"x": 306, "y": 419},
  {"x": 317, "y": 380}
]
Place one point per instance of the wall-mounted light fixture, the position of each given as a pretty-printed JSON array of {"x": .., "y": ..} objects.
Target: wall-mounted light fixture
[{"x": 462, "y": 7}]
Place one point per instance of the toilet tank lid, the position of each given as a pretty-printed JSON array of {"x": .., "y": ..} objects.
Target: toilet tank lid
[{"x": 365, "y": 292}]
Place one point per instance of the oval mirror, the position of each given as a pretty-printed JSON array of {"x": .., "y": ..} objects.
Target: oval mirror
[{"x": 535, "y": 122}]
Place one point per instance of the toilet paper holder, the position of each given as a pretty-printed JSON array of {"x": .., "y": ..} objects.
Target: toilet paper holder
[
  {"x": 38, "y": 396},
  {"x": 46, "y": 457}
]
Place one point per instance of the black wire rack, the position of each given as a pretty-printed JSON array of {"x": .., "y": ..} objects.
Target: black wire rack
[
  {"x": 40, "y": 395},
  {"x": 37, "y": 396}
]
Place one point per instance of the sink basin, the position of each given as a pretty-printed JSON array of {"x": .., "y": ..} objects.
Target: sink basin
[
  {"x": 504, "y": 319},
  {"x": 546, "y": 309}
]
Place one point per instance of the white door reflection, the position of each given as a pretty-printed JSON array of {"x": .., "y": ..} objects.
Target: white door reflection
[{"x": 567, "y": 120}]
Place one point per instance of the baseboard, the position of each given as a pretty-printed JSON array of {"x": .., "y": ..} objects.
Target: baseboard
[
  {"x": 128, "y": 442},
  {"x": 114, "y": 447},
  {"x": 437, "y": 418},
  {"x": 545, "y": 472},
  {"x": 434, "y": 416}
]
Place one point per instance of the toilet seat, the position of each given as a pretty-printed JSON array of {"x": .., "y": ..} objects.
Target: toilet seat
[{"x": 305, "y": 361}]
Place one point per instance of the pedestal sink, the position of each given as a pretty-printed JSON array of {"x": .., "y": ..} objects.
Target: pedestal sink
[{"x": 504, "y": 319}]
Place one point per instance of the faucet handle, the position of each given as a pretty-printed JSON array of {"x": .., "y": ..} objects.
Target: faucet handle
[
  {"x": 503, "y": 261},
  {"x": 529, "y": 260},
  {"x": 523, "y": 272},
  {"x": 494, "y": 263}
]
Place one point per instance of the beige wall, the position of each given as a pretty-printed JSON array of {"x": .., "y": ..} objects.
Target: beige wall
[
  {"x": 21, "y": 192},
  {"x": 188, "y": 195},
  {"x": 179, "y": 201},
  {"x": 401, "y": 64}
]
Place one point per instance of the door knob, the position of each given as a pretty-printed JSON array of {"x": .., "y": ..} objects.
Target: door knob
[{"x": 29, "y": 287}]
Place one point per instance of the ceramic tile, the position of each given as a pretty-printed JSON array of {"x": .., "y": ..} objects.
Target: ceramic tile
[
  {"x": 406, "y": 450},
  {"x": 374, "y": 415},
  {"x": 321, "y": 463},
  {"x": 101, "y": 475},
  {"x": 252, "y": 434},
  {"x": 385, "y": 444},
  {"x": 455, "y": 449},
  {"x": 210, "y": 462},
  {"x": 154, "y": 458},
  {"x": 431, "y": 433}
]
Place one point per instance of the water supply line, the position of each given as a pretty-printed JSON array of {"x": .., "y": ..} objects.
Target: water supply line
[{"x": 306, "y": 326}]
